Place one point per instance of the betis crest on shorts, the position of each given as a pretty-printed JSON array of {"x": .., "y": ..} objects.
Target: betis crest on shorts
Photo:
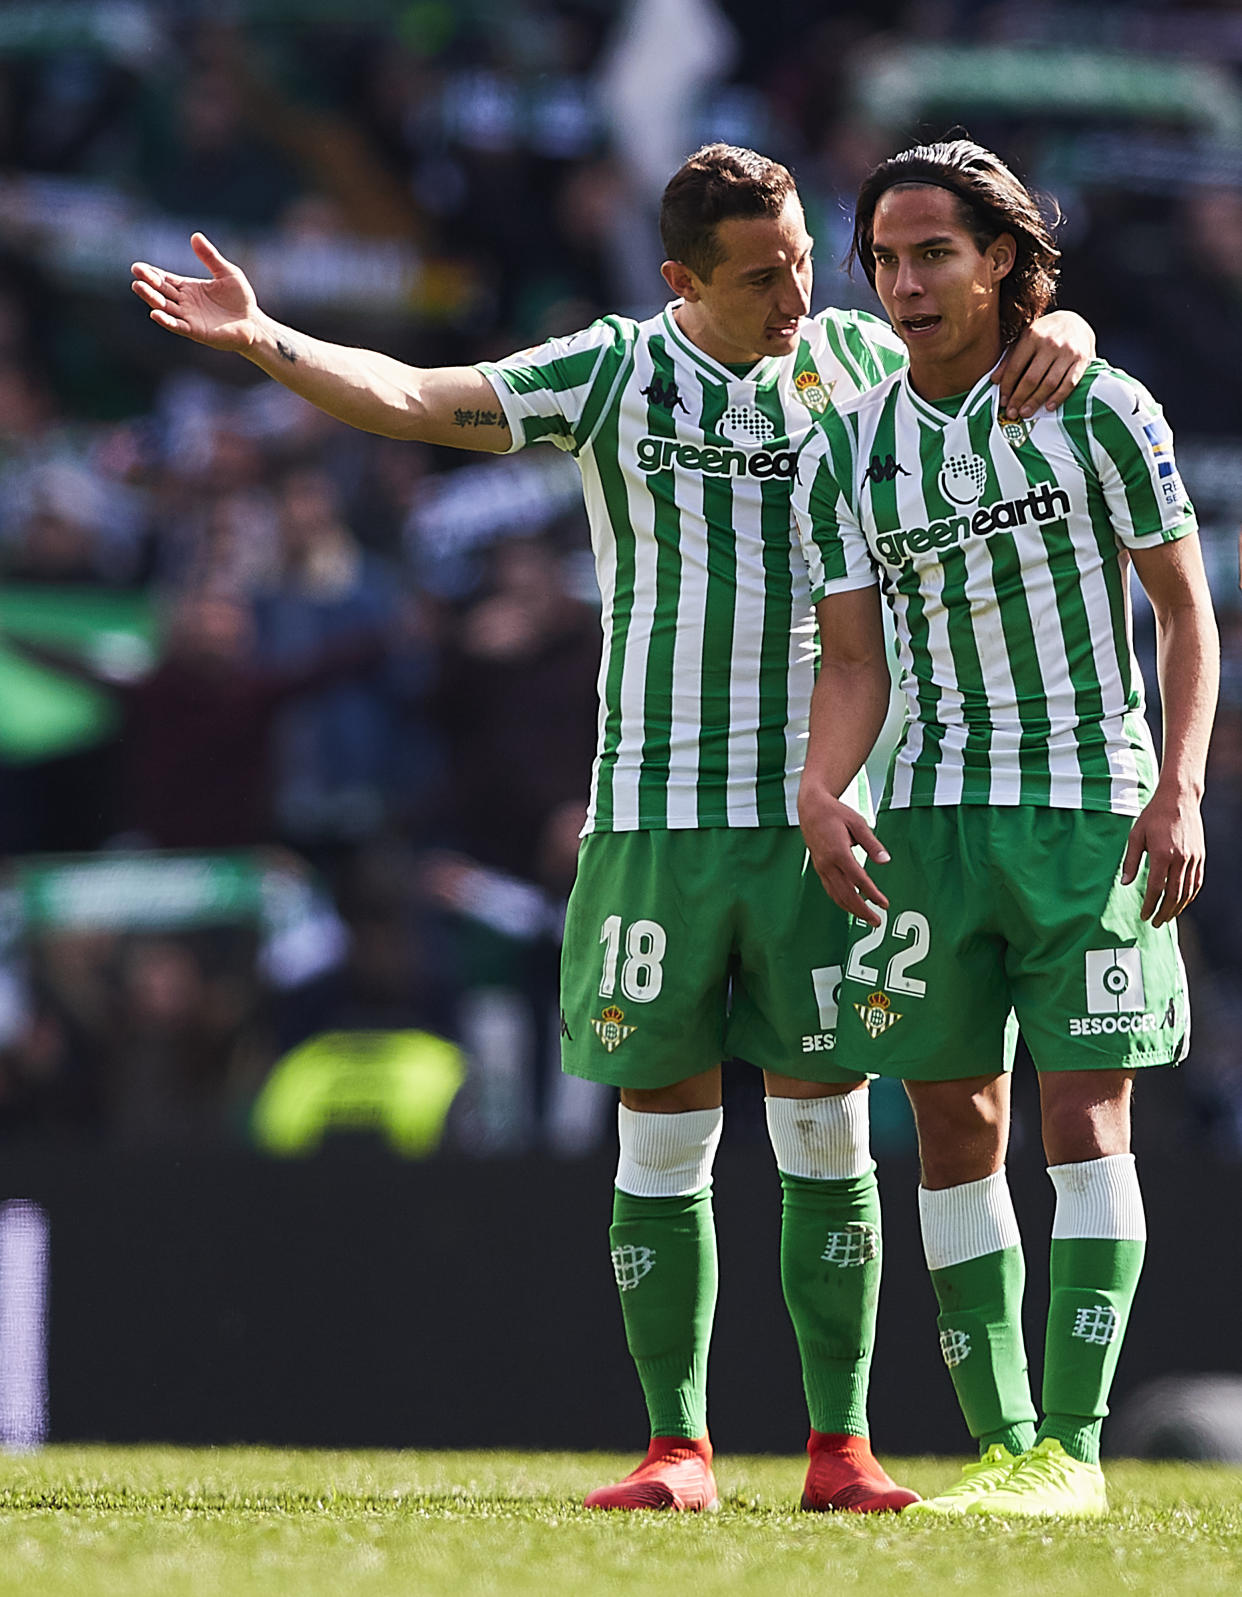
[
  {"x": 877, "y": 1014},
  {"x": 609, "y": 1028}
]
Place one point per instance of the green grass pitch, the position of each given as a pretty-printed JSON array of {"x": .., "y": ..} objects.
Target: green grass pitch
[{"x": 248, "y": 1522}]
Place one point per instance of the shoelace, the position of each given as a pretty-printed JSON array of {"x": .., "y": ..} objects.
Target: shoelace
[
  {"x": 1048, "y": 1468},
  {"x": 980, "y": 1477}
]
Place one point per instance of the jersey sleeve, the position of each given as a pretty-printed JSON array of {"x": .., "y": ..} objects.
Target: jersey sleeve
[
  {"x": 864, "y": 344},
  {"x": 833, "y": 543},
  {"x": 1131, "y": 448},
  {"x": 553, "y": 393}
]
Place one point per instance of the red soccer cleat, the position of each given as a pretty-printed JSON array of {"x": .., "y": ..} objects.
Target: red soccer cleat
[
  {"x": 676, "y": 1474},
  {"x": 844, "y": 1474}
]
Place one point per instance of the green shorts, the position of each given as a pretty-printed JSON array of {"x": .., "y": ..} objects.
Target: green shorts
[
  {"x": 996, "y": 908},
  {"x": 684, "y": 948}
]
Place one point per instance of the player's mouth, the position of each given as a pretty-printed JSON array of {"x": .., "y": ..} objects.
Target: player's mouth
[
  {"x": 783, "y": 330},
  {"x": 919, "y": 326}
]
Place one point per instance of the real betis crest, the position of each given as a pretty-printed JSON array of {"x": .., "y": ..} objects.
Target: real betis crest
[
  {"x": 811, "y": 390},
  {"x": 1016, "y": 433},
  {"x": 609, "y": 1028},
  {"x": 877, "y": 1014}
]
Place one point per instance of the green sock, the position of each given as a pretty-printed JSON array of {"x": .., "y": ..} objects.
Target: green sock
[
  {"x": 981, "y": 1339},
  {"x": 1093, "y": 1285},
  {"x": 664, "y": 1257},
  {"x": 830, "y": 1270}
]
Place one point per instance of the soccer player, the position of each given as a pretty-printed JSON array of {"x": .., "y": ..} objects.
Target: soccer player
[
  {"x": 695, "y": 931},
  {"x": 1006, "y": 868}
]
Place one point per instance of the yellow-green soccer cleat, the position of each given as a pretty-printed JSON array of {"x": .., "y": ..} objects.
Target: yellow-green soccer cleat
[
  {"x": 1048, "y": 1481},
  {"x": 984, "y": 1475}
]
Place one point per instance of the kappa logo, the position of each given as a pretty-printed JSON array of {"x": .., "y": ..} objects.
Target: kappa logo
[
  {"x": 886, "y": 470},
  {"x": 963, "y": 478},
  {"x": 610, "y": 1030},
  {"x": 664, "y": 395},
  {"x": 630, "y": 1263},
  {"x": 877, "y": 1014},
  {"x": 565, "y": 1031}
]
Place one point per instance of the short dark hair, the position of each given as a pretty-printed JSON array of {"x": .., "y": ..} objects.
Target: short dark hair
[
  {"x": 716, "y": 184},
  {"x": 992, "y": 201}
]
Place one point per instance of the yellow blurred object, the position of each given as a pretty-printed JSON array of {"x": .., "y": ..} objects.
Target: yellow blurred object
[{"x": 398, "y": 1083}]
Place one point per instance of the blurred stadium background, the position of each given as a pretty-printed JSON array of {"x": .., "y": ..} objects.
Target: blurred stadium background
[{"x": 295, "y": 724}]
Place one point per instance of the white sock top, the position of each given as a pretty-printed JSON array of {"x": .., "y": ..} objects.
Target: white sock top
[
  {"x": 968, "y": 1221},
  {"x": 1099, "y": 1198},
  {"x": 666, "y": 1156},
  {"x": 821, "y": 1139}
]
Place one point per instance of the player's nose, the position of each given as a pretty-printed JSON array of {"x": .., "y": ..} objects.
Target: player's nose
[
  {"x": 906, "y": 284},
  {"x": 795, "y": 297}
]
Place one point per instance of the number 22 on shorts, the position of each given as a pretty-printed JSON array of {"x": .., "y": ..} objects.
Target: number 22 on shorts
[
  {"x": 642, "y": 970},
  {"x": 909, "y": 927}
]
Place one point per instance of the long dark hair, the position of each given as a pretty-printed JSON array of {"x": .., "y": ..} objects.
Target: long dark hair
[{"x": 992, "y": 201}]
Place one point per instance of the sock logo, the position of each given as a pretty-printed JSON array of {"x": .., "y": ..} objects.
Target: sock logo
[
  {"x": 954, "y": 1347},
  {"x": 858, "y": 1244},
  {"x": 1114, "y": 981},
  {"x": 1098, "y": 1325},
  {"x": 630, "y": 1262}
]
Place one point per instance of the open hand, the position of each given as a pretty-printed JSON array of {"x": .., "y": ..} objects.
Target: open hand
[
  {"x": 219, "y": 311},
  {"x": 1171, "y": 835},
  {"x": 832, "y": 831},
  {"x": 1045, "y": 365}
]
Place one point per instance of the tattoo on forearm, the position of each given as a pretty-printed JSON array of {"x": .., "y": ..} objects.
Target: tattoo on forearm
[
  {"x": 288, "y": 351},
  {"x": 477, "y": 418}
]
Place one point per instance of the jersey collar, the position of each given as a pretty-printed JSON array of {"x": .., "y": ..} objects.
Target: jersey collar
[
  {"x": 985, "y": 392},
  {"x": 762, "y": 372}
]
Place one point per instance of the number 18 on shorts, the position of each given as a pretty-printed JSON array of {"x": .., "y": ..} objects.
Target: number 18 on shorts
[{"x": 683, "y": 948}]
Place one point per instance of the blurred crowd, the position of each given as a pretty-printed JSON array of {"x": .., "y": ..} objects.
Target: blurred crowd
[{"x": 231, "y": 629}]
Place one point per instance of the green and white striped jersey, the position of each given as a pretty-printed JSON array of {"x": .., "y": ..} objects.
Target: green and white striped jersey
[
  {"x": 1000, "y": 547},
  {"x": 687, "y": 468}
]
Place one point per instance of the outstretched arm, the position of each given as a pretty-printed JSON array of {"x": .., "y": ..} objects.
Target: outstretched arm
[
  {"x": 848, "y": 708},
  {"x": 1045, "y": 365},
  {"x": 453, "y": 405},
  {"x": 1170, "y": 829}
]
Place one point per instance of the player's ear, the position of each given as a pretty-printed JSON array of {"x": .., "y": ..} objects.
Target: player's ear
[
  {"x": 1002, "y": 254},
  {"x": 683, "y": 282}
]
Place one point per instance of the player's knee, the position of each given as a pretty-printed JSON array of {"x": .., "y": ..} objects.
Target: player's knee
[
  {"x": 666, "y": 1155},
  {"x": 821, "y": 1139},
  {"x": 1091, "y": 1122}
]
